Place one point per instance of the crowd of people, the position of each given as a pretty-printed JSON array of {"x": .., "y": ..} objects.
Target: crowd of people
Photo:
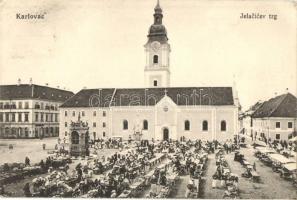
[
  {"x": 223, "y": 178},
  {"x": 112, "y": 176}
]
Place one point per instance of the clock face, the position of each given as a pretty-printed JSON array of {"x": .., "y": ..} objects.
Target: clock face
[{"x": 156, "y": 46}]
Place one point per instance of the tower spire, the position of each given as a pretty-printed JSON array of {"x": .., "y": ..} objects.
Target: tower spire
[{"x": 158, "y": 6}]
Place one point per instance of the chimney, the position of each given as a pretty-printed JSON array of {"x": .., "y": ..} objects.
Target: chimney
[
  {"x": 275, "y": 94},
  {"x": 287, "y": 90},
  {"x": 58, "y": 87},
  {"x": 31, "y": 81},
  {"x": 46, "y": 84},
  {"x": 19, "y": 81}
]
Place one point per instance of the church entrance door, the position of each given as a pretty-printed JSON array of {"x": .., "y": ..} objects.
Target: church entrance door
[{"x": 165, "y": 134}]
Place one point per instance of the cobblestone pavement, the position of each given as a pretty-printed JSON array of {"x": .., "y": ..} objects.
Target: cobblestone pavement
[{"x": 25, "y": 147}]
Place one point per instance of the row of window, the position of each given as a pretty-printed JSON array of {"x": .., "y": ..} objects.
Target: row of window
[
  {"x": 83, "y": 113},
  {"x": 94, "y": 124},
  {"x": 20, "y": 130},
  {"x": 39, "y": 117},
  {"x": 46, "y": 107},
  {"x": 13, "y": 105},
  {"x": 187, "y": 125},
  {"x": 49, "y": 117},
  {"x": 278, "y": 125},
  {"x": 11, "y": 117},
  {"x": 126, "y": 125},
  {"x": 223, "y": 125}
]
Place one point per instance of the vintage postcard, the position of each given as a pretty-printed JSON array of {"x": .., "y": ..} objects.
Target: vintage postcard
[{"x": 148, "y": 99}]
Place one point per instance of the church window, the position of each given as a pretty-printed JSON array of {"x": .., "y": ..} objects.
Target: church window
[
  {"x": 223, "y": 126},
  {"x": 65, "y": 113},
  {"x": 205, "y": 125},
  {"x": 94, "y": 124},
  {"x": 65, "y": 124},
  {"x": 125, "y": 125},
  {"x": 155, "y": 83},
  {"x": 104, "y": 113},
  {"x": 145, "y": 125},
  {"x": 82, "y": 113},
  {"x": 73, "y": 113},
  {"x": 103, "y": 134},
  {"x": 187, "y": 125},
  {"x": 94, "y": 113},
  {"x": 104, "y": 124},
  {"x": 156, "y": 59},
  {"x": 74, "y": 137}
]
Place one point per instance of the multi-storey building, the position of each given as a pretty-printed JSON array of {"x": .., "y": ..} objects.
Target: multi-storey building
[
  {"x": 275, "y": 118},
  {"x": 30, "y": 111}
]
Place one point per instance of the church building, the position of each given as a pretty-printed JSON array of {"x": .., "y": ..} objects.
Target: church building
[{"x": 157, "y": 111}]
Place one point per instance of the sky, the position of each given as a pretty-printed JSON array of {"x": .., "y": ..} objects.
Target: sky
[{"x": 99, "y": 44}]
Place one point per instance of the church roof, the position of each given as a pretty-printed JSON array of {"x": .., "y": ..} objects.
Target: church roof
[
  {"x": 151, "y": 96},
  {"x": 32, "y": 91},
  {"x": 281, "y": 106}
]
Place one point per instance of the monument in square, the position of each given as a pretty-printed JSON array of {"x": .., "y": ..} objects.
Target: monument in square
[{"x": 79, "y": 138}]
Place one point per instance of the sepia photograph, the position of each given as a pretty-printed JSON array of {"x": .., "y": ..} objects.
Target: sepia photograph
[{"x": 177, "y": 99}]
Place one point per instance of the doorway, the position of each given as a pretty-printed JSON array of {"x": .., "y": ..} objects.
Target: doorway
[{"x": 165, "y": 134}]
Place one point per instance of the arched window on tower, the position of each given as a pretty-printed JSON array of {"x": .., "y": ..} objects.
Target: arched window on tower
[
  {"x": 223, "y": 125},
  {"x": 145, "y": 125},
  {"x": 187, "y": 125},
  {"x": 125, "y": 125},
  {"x": 156, "y": 59}
]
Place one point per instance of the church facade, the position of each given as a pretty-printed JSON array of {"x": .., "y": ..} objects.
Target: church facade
[{"x": 157, "y": 111}]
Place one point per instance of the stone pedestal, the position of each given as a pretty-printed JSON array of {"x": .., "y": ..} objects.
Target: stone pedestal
[{"x": 79, "y": 139}]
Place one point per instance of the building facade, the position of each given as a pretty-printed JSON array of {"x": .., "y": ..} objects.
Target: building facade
[
  {"x": 276, "y": 118},
  {"x": 157, "y": 111},
  {"x": 246, "y": 119},
  {"x": 30, "y": 111}
]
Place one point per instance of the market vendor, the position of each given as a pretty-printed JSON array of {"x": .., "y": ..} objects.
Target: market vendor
[{"x": 26, "y": 190}]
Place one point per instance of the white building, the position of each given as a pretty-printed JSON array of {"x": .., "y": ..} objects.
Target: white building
[
  {"x": 30, "y": 111},
  {"x": 246, "y": 119},
  {"x": 157, "y": 111},
  {"x": 276, "y": 118}
]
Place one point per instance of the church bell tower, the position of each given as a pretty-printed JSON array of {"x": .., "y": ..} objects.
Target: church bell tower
[{"x": 157, "y": 50}]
